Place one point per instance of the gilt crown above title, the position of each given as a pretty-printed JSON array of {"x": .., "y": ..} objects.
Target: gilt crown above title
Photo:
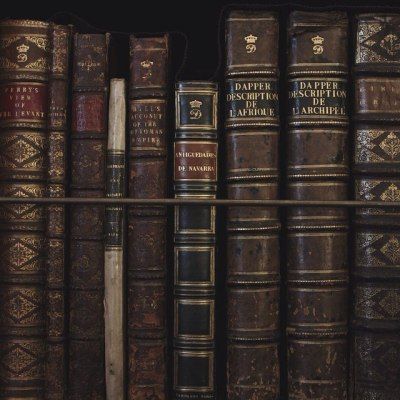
[
  {"x": 317, "y": 39},
  {"x": 23, "y": 48},
  {"x": 250, "y": 38},
  {"x": 195, "y": 104}
]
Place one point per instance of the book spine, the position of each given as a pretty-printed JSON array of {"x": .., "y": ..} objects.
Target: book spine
[
  {"x": 24, "y": 69},
  {"x": 195, "y": 177},
  {"x": 147, "y": 225},
  {"x": 376, "y": 273},
  {"x": 317, "y": 238},
  {"x": 55, "y": 369},
  {"x": 88, "y": 171},
  {"x": 252, "y": 137},
  {"x": 114, "y": 245}
]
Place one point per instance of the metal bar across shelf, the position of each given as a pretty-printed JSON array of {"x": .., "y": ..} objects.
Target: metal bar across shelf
[{"x": 214, "y": 202}]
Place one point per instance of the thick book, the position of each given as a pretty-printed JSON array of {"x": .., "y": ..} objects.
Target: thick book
[
  {"x": 376, "y": 274},
  {"x": 195, "y": 177},
  {"x": 88, "y": 172},
  {"x": 317, "y": 237},
  {"x": 253, "y": 264},
  {"x": 114, "y": 285},
  {"x": 147, "y": 225},
  {"x": 57, "y": 154},
  {"x": 24, "y": 70}
]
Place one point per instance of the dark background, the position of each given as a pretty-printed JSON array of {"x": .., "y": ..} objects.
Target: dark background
[
  {"x": 196, "y": 28},
  {"x": 198, "y": 19}
]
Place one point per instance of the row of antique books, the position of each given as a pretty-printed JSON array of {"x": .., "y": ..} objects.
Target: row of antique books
[{"x": 83, "y": 306}]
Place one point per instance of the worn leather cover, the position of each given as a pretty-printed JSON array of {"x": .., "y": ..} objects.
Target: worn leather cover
[
  {"x": 24, "y": 68},
  {"x": 147, "y": 225},
  {"x": 317, "y": 238},
  {"x": 376, "y": 291},
  {"x": 252, "y": 137},
  {"x": 56, "y": 328},
  {"x": 195, "y": 177},
  {"x": 86, "y": 277}
]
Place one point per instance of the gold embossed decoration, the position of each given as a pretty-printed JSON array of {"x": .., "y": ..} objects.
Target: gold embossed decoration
[
  {"x": 392, "y": 193},
  {"x": 24, "y": 53},
  {"x": 379, "y": 41},
  {"x": 22, "y": 153},
  {"x": 251, "y": 43},
  {"x": 377, "y": 146}
]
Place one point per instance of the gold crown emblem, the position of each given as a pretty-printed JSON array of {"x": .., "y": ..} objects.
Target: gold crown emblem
[
  {"x": 195, "y": 103},
  {"x": 146, "y": 63},
  {"x": 250, "y": 39},
  {"x": 317, "y": 39},
  {"x": 23, "y": 48}
]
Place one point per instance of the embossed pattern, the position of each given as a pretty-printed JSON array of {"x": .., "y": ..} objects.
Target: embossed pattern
[
  {"x": 56, "y": 355},
  {"x": 24, "y": 64},
  {"x": 376, "y": 293}
]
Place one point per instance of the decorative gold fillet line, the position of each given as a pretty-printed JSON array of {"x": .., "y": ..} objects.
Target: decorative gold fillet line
[
  {"x": 253, "y": 133},
  {"x": 318, "y": 382},
  {"x": 253, "y": 19},
  {"x": 254, "y": 229},
  {"x": 311, "y": 290},
  {"x": 238, "y": 178},
  {"x": 257, "y": 346},
  {"x": 192, "y": 249},
  {"x": 321, "y": 72},
  {"x": 316, "y": 175},
  {"x": 319, "y": 131},
  {"x": 27, "y": 23},
  {"x": 203, "y": 354},
  {"x": 244, "y": 73},
  {"x": 312, "y": 78},
  {"x": 329, "y": 234},
  {"x": 311, "y": 227},
  {"x": 316, "y": 271},
  {"x": 322, "y": 64},
  {"x": 253, "y": 237},
  {"x": 318, "y": 122},
  {"x": 252, "y": 170}
]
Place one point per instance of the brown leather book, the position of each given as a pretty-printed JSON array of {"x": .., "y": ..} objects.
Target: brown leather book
[
  {"x": 88, "y": 160},
  {"x": 376, "y": 292},
  {"x": 195, "y": 177},
  {"x": 252, "y": 136},
  {"x": 56, "y": 327},
  {"x": 317, "y": 237},
  {"x": 147, "y": 225},
  {"x": 24, "y": 68}
]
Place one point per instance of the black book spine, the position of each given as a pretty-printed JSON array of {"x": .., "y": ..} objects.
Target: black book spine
[{"x": 195, "y": 177}]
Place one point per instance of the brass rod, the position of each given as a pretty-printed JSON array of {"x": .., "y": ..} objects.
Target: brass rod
[{"x": 216, "y": 202}]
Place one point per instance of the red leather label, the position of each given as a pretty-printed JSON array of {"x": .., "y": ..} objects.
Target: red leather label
[
  {"x": 89, "y": 112},
  {"x": 195, "y": 161},
  {"x": 23, "y": 102}
]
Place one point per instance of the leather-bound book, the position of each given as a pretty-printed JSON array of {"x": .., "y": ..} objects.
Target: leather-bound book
[
  {"x": 24, "y": 68},
  {"x": 317, "y": 237},
  {"x": 252, "y": 136},
  {"x": 376, "y": 292},
  {"x": 195, "y": 177},
  {"x": 147, "y": 225},
  {"x": 86, "y": 275},
  {"x": 55, "y": 368}
]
